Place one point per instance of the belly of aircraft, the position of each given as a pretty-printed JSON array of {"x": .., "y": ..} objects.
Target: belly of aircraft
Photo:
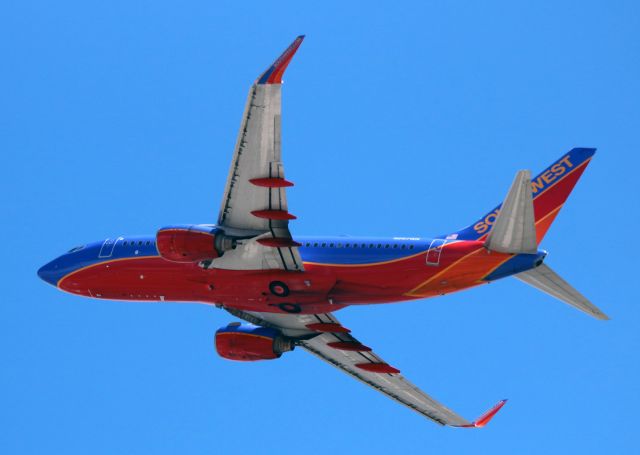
[{"x": 319, "y": 288}]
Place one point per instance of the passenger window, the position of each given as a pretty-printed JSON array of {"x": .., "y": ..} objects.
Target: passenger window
[
  {"x": 315, "y": 244},
  {"x": 347, "y": 245},
  {"x": 379, "y": 245},
  {"x": 395, "y": 246},
  {"x": 331, "y": 245},
  {"x": 411, "y": 247},
  {"x": 323, "y": 245},
  {"x": 387, "y": 245}
]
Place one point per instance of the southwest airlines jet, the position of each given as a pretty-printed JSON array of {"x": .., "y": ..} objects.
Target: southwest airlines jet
[{"x": 288, "y": 288}]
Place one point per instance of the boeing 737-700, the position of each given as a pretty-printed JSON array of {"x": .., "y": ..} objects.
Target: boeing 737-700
[{"x": 287, "y": 288}]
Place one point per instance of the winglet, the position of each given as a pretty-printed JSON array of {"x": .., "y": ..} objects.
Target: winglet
[
  {"x": 486, "y": 417},
  {"x": 274, "y": 73}
]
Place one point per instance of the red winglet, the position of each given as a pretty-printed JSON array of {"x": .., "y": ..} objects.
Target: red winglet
[
  {"x": 274, "y": 73},
  {"x": 487, "y": 416}
]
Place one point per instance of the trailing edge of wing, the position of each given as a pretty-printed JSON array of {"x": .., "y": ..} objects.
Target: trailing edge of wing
[
  {"x": 514, "y": 230},
  {"x": 324, "y": 336},
  {"x": 549, "y": 282}
]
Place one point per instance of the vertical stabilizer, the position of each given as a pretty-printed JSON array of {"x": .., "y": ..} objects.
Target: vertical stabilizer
[
  {"x": 515, "y": 229},
  {"x": 550, "y": 189}
]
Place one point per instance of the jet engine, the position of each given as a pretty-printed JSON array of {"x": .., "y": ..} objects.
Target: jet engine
[
  {"x": 247, "y": 342},
  {"x": 192, "y": 243}
]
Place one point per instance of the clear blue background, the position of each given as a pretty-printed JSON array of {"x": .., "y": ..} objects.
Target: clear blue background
[{"x": 399, "y": 118}]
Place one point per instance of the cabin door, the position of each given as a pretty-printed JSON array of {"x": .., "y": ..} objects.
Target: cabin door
[{"x": 435, "y": 250}]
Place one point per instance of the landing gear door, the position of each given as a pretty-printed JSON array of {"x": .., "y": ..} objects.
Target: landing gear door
[{"x": 435, "y": 250}]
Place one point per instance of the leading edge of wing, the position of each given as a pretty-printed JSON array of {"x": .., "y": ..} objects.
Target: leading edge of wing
[{"x": 273, "y": 74}]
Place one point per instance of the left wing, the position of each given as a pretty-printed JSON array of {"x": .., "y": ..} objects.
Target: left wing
[
  {"x": 324, "y": 336},
  {"x": 254, "y": 205}
]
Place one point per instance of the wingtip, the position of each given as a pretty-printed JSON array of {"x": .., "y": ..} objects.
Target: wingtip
[
  {"x": 485, "y": 418},
  {"x": 273, "y": 74}
]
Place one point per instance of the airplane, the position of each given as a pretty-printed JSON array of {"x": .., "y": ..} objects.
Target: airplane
[{"x": 287, "y": 289}]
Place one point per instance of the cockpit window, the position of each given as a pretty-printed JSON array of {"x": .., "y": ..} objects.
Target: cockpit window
[{"x": 75, "y": 248}]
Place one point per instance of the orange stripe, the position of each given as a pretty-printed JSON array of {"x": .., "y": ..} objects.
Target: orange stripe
[
  {"x": 472, "y": 274},
  {"x": 86, "y": 267}
]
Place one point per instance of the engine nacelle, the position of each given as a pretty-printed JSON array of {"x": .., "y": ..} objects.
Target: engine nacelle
[
  {"x": 192, "y": 243},
  {"x": 246, "y": 342}
]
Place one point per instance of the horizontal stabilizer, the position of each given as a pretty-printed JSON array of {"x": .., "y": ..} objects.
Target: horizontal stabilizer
[
  {"x": 514, "y": 230},
  {"x": 546, "y": 280}
]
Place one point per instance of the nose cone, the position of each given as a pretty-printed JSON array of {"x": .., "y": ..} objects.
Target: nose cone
[{"x": 50, "y": 272}]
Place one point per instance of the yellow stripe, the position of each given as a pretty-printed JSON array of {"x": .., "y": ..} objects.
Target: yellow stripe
[
  {"x": 553, "y": 212},
  {"x": 86, "y": 267},
  {"x": 443, "y": 271},
  {"x": 496, "y": 267}
]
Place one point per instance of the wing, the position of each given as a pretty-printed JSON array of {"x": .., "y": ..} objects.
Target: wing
[
  {"x": 254, "y": 204},
  {"x": 324, "y": 336}
]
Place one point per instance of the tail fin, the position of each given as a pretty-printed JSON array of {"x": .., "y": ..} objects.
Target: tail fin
[
  {"x": 550, "y": 191},
  {"x": 546, "y": 280},
  {"x": 514, "y": 230}
]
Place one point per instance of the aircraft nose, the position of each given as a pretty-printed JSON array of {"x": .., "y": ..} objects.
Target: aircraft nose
[{"x": 49, "y": 272}]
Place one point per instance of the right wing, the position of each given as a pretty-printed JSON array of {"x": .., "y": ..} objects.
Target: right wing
[{"x": 325, "y": 337}]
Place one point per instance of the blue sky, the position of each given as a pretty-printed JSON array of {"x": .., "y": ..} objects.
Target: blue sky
[{"x": 399, "y": 118}]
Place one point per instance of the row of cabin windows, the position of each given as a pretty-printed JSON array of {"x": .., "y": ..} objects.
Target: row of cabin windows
[
  {"x": 358, "y": 245},
  {"x": 138, "y": 243},
  {"x": 308, "y": 244}
]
